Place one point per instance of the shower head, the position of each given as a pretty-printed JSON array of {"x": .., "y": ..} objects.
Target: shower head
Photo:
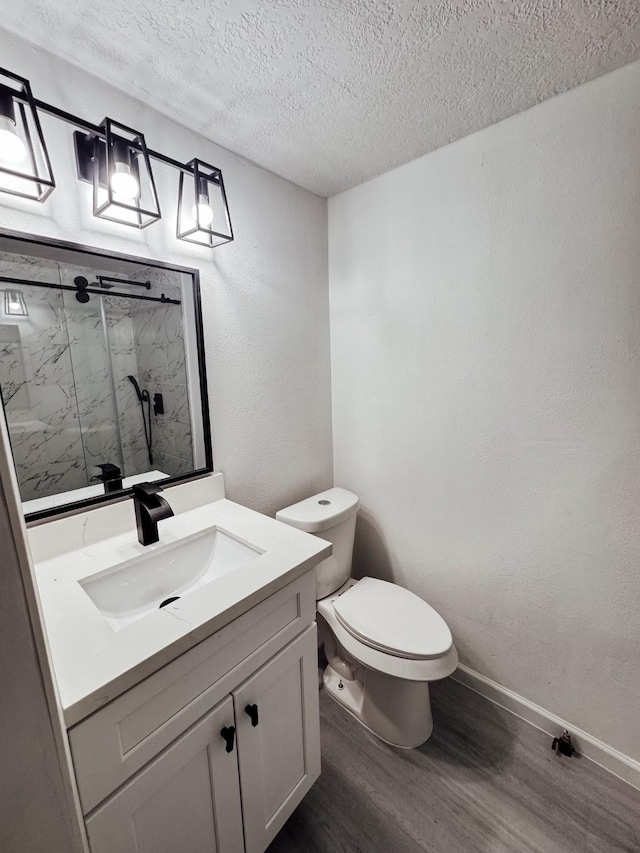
[
  {"x": 134, "y": 382},
  {"x": 143, "y": 396}
]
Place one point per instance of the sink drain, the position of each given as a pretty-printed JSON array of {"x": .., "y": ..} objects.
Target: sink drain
[{"x": 169, "y": 600}]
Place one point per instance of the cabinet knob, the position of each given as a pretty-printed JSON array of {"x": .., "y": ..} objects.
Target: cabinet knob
[
  {"x": 252, "y": 711},
  {"x": 228, "y": 733}
]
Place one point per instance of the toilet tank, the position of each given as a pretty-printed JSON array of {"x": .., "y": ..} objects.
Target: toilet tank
[{"x": 331, "y": 515}]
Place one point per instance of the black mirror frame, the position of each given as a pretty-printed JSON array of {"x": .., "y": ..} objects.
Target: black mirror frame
[{"x": 100, "y": 500}]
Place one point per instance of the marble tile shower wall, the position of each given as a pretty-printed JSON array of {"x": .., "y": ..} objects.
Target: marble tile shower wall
[
  {"x": 90, "y": 361},
  {"x": 161, "y": 358},
  {"x": 36, "y": 378},
  {"x": 54, "y": 374},
  {"x": 56, "y": 381},
  {"x": 145, "y": 340}
]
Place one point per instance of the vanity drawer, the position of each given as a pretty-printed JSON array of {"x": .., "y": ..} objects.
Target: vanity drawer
[{"x": 119, "y": 739}]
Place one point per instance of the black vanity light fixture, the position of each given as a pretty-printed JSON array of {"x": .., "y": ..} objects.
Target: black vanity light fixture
[
  {"x": 14, "y": 304},
  {"x": 117, "y": 164},
  {"x": 203, "y": 213},
  {"x": 113, "y": 158},
  {"x": 25, "y": 168}
]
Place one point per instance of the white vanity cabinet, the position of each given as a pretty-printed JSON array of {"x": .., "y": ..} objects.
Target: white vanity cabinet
[
  {"x": 279, "y": 758},
  {"x": 187, "y": 799},
  {"x": 213, "y": 752}
]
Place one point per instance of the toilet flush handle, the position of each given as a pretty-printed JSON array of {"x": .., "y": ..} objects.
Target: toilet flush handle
[{"x": 252, "y": 711}]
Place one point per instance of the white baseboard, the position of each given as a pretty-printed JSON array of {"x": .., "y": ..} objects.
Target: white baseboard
[{"x": 590, "y": 747}]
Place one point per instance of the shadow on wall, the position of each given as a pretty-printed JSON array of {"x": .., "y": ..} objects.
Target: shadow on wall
[
  {"x": 370, "y": 553},
  {"x": 470, "y": 732}
]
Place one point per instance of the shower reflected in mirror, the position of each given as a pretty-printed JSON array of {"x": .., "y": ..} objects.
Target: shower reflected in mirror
[
  {"x": 144, "y": 397},
  {"x": 101, "y": 375}
]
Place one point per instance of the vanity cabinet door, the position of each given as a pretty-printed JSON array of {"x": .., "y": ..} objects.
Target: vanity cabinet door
[
  {"x": 186, "y": 800},
  {"x": 278, "y": 722}
]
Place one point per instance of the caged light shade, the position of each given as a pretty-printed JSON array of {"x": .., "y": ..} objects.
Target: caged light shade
[
  {"x": 14, "y": 304},
  {"x": 203, "y": 212},
  {"x": 116, "y": 162},
  {"x": 25, "y": 167}
]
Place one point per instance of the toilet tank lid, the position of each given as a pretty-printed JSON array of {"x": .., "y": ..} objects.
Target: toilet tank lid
[{"x": 320, "y": 512}]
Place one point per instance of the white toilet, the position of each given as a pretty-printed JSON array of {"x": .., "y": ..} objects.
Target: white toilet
[{"x": 383, "y": 643}]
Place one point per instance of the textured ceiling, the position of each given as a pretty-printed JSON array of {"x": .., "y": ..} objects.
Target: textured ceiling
[{"x": 329, "y": 93}]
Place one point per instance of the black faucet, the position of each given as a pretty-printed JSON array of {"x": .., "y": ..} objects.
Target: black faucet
[
  {"x": 111, "y": 477},
  {"x": 150, "y": 509}
]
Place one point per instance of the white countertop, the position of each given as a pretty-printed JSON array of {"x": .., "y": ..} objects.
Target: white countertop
[{"x": 94, "y": 663}]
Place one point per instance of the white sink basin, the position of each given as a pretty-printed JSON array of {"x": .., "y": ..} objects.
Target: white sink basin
[
  {"x": 133, "y": 589},
  {"x": 101, "y": 595}
]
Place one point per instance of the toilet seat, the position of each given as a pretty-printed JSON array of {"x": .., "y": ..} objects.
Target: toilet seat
[
  {"x": 393, "y": 620},
  {"x": 412, "y": 669}
]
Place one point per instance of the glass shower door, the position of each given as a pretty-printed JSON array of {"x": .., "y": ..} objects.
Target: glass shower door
[
  {"x": 93, "y": 376},
  {"x": 37, "y": 384}
]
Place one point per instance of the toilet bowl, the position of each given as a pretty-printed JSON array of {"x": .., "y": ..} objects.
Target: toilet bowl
[{"x": 383, "y": 644}]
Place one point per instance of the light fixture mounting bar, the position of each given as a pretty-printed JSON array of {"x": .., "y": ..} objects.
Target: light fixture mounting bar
[
  {"x": 116, "y": 160},
  {"x": 96, "y": 130}
]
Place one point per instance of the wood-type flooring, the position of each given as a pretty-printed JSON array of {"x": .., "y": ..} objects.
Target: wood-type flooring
[{"x": 485, "y": 782}]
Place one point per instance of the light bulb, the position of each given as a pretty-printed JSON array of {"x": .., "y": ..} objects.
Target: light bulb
[
  {"x": 123, "y": 182},
  {"x": 12, "y": 148},
  {"x": 14, "y": 304},
  {"x": 202, "y": 212}
]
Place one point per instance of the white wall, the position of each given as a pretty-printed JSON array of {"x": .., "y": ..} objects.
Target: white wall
[
  {"x": 37, "y": 813},
  {"x": 264, "y": 296},
  {"x": 485, "y": 327}
]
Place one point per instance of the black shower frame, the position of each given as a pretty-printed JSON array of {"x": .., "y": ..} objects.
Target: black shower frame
[
  {"x": 165, "y": 300},
  {"x": 101, "y": 500}
]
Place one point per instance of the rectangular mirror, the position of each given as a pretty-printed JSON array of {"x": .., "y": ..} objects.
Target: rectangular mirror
[{"x": 101, "y": 372}]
